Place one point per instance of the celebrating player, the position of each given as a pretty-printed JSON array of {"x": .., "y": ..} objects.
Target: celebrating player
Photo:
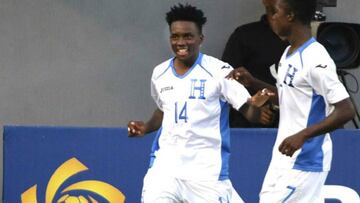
[
  {"x": 312, "y": 103},
  {"x": 190, "y": 154}
]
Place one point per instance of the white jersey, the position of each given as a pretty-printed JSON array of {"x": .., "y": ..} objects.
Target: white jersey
[
  {"x": 307, "y": 86},
  {"x": 193, "y": 142}
]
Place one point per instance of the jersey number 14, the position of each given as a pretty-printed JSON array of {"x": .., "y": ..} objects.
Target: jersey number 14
[{"x": 182, "y": 114}]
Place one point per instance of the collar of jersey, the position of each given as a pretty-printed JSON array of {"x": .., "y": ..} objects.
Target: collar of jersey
[
  {"x": 198, "y": 61},
  {"x": 302, "y": 47}
]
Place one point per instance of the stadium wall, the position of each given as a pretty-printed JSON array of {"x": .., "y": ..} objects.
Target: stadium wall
[{"x": 60, "y": 162}]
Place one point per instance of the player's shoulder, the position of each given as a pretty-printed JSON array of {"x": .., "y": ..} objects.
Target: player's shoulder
[
  {"x": 214, "y": 65},
  {"x": 316, "y": 55},
  {"x": 161, "y": 68},
  {"x": 316, "y": 50}
]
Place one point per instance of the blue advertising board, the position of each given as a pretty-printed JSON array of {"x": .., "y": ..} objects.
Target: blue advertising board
[{"x": 70, "y": 164}]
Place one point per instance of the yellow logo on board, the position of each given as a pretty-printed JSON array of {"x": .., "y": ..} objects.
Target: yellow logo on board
[{"x": 65, "y": 171}]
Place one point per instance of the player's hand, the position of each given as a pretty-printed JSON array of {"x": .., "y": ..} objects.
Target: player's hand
[
  {"x": 241, "y": 75},
  {"x": 261, "y": 97},
  {"x": 136, "y": 129},
  {"x": 267, "y": 116},
  {"x": 292, "y": 143}
]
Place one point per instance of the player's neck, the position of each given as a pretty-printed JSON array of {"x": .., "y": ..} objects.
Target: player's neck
[
  {"x": 298, "y": 37},
  {"x": 181, "y": 67}
]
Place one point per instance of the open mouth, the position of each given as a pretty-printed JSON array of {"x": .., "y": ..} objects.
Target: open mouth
[{"x": 182, "y": 52}]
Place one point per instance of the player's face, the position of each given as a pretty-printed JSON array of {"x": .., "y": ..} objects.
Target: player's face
[
  {"x": 185, "y": 40},
  {"x": 279, "y": 17}
]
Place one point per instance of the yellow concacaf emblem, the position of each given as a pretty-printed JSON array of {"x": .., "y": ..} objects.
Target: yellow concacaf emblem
[{"x": 65, "y": 171}]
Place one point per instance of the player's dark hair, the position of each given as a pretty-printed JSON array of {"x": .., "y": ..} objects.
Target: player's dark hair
[
  {"x": 304, "y": 10},
  {"x": 186, "y": 12}
]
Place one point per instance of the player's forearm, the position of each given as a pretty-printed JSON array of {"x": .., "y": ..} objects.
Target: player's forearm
[
  {"x": 154, "y": 123},
  {"x": 344, "y": 111},
  {"x": 251, "y": 113}
]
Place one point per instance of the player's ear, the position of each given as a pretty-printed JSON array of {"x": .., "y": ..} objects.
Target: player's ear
[
  {"x": 201, "y": 38},
  {"x": 291, "y": 16}
]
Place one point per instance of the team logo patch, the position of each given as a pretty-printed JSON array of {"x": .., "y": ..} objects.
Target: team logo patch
[{"x": 290, "y": 75}]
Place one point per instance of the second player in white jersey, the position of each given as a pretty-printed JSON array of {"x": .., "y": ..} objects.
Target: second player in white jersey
[
  {"x": 307, "y": 86},
  {"x": 312, "y": 102}
]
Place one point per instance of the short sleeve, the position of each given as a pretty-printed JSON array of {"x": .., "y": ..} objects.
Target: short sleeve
[
  {"x": 232, "y": 91},
  {"x": 325, "y": 81},
  {"x": 155, "y": 93}
]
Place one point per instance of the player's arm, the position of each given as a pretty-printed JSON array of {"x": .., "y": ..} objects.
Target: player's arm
[
  {"x": 324, "y": 80},
  {"x": 252, "y": 109},
  {"x": 244, "y": 77},
  {"x": 343, "y": 112},
  {"x": 139, "y": 128}
]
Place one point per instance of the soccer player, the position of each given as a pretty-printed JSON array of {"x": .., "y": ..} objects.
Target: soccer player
[
  {"x": 190, "y": 154},
  {"x": 312, "y": 103}
]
